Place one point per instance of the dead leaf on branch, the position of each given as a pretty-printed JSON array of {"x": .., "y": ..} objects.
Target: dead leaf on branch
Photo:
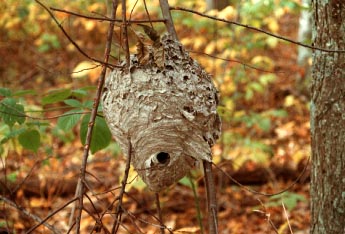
[
  {"x": 159, "y": 57},
  {"x": 143, "y": 49},
  {"x": 151, "y": 33}
]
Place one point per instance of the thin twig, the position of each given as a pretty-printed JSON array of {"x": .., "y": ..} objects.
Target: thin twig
[
  {"x": 234, "y": 61},
  {"x": 211, "y": 198},
  {"x": 106, "y": 18},
  {"x": 260, "y": 193},
  {"x": 148, "y": 14},
  {"x": 149, "y": 223},
  {"x": 19, "y": 185},
  {"x": 119, "y": 208},
  {"x": 72, "y": 41},
  {"x": 51, "y": 215},
  {"x": 101, "y": 79},
  {"x": 30, "y": 215},
  {"x": 135, "y": 4},
  {"x": 125, "y": 34},
  {"x": 287, "y": 218},
  {"x": 149, "y": 213},
  {"x": 169, "y": 24},
  {"x": 267, "y": 216},
  {"x": 197, "y": 204},
  {"x": 255, "y": 29},
  {"x": 159, "y": 212}
]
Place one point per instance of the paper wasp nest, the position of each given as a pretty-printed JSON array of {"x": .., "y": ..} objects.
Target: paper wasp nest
[{"x": 166, "y": 105}]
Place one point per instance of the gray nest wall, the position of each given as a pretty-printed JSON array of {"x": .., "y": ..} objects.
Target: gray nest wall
[{"x": 166, "y": 105}]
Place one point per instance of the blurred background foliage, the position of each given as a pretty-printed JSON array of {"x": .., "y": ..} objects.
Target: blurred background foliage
[{"x": 264, "y": 114}]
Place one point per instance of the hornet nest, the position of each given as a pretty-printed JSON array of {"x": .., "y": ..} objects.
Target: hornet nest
[{"x": 165, "y": 103}]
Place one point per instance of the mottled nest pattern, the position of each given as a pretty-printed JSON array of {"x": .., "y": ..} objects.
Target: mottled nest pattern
[{"x": 166, "y": 105}]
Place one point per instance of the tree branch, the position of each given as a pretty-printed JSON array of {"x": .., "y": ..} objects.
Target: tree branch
[
  {"x": 28, "y": 214},
  {"x": 159, "y": 212},
  {"x": 234, "y": 61},
  {"x": 106, "y": 18},
  {"x": 119, "y": 209},
  {"x": 265, "y": 194},
  {"x": 256, "y": 29},
  {"x": 42, "y": 222},
  {"x": 211, "y": 198},
  {"x": 81, "y": 187},
  {"x": 72, "y": 41},
  {"x": 169, "y": 24},
  {"x": 125, "y": 34}
]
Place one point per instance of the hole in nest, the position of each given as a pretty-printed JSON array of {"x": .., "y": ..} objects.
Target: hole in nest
[
  {"x": 185, "y": 77},
  {"x": 163, "y": 157},
  {"x": 169, "y": 67},
  {"x": 189, "y": 109}
]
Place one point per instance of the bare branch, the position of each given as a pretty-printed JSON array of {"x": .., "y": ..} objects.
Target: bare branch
[
  {"x": 265, "y": 194},
  {"x": 256, "y": 29},
  {"x": 125, "y": 34},
  {"x": 234, "y": 61},
  {"x": 267, "y": 216},
  {"x": 287, "y": 218},
  {"x": 148, "y": 14},
  {"x": 106, "y": 18},
  {"x": 119, "y": 208},
  {"x": 81, "y": 188},
  {"x": 211, "y": 198},
  {"x": 43, "y": 221},
  {"x": 159, "y": 211},
  {"x": 28, "y": 214},
  {"x": 169, "y": 24},
  {"x": 72, "y": 41}
]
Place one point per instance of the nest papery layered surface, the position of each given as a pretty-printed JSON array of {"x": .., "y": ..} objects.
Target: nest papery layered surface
[{"x": 167, "y": 105}]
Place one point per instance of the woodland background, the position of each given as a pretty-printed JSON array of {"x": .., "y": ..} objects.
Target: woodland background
[{"x": 46, "y": 95}]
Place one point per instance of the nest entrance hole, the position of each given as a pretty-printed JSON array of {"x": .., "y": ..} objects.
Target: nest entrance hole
[{"x": 163, "y": 157}]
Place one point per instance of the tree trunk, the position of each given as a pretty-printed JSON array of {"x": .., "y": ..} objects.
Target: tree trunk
[{"x": 328, "y": 119}]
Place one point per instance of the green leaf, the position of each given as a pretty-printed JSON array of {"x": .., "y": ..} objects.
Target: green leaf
[
  {"x": 5, "y": 92},
  {"x": 257, "y": 87},
  {"x": 84, "y": 91},
  {"x": 12, "y": 177},
  {"x": 289, "y": 199},
  {"x": 101, "y": 135},
  {"x": 88, "y": 104},
  {"x": 12, "y": 134},
  {"x": 264, "y": 124},
  {"x": 49, "y": 41},
  {"x": 267, "y": 78},
  {"x": 21, "y": 93},
  {"x": 279, "y": 113},
  {"x": 69, "y": 120},
  {"x": 30, "y": 139},
  {"x": 79, "y": 93},
  {"x": 292, "y": 200},
  {"x": 11, "y": 112},
  {"x": 56, "y": 96},
  {"x": 186, "y": 181},
  {"x": 249, "y": 94},
  {"x": 73, "y": 103}
]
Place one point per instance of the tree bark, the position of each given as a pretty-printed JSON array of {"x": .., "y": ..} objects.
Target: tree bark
[{"x": 328, "y": 119}]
